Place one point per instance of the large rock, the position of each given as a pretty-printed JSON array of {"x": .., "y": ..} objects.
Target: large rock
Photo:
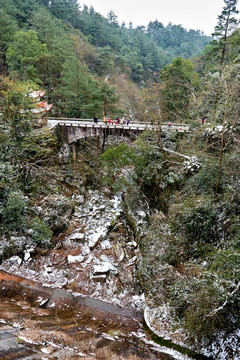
[
  {"x": 101, "y": 269},
  {"x": 126, "y": 277},
  {"x": 13, "y": 246},
  {"x": 104, "y": 267}
]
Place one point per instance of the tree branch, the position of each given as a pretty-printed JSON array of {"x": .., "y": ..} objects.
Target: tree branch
[{"x": 225, "y": 302}]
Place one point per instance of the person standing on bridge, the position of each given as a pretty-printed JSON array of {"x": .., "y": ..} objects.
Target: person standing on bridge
[
  {"x": 169, "y": 124},
  {"x": 128, "y": 121},
  {"x": 95, "y": 119}
]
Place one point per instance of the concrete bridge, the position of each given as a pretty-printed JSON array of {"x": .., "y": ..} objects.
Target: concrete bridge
[{"x": 76, "y": 129}]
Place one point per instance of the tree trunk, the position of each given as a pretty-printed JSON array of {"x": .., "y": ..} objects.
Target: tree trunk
[{"x": 221, "y": 154}]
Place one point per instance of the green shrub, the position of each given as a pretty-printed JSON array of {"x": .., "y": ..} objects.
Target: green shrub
[
  {"x": 117, "y": 157},
  {"x": 226, "y": 264},
  {"x": 14, "y": 212},
  {"x": 201, "y": 223},
  {"x": 200, "y": 320},
  {"x": 41, "y": 233},
  {"x": 204, "y": 182}
]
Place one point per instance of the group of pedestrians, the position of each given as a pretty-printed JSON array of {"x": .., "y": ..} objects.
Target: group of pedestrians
[
  {"x": 123, "y": 121},
  {"x": 109, "y": 121}
]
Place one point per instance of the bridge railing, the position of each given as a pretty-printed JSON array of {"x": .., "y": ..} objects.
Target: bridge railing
[{"x": 106, "y": 122}]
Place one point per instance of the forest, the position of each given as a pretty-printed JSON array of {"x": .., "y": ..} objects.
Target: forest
[
  {"x": 69, "y": 52},
  {"x": 187, "y": 184}
]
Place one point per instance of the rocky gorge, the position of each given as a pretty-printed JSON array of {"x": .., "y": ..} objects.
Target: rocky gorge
[
  {"x": 97, "y": 241},
  {"x": 94, "y": 264}
]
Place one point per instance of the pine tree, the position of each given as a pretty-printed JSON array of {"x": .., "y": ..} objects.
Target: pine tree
[
  {"x": 23, "y": 54},
  {"x": 179, "y": 83},
  {"x": 112, "y": 18},
  {"x": 227, "y": 23}
]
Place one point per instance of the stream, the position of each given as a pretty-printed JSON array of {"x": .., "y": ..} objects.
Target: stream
[{"x": 35, "y": 321}]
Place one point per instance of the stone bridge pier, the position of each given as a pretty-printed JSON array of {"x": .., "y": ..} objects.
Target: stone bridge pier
[{"x": 72, "y": 134}]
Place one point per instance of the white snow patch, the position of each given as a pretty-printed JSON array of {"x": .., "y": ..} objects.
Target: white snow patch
[
  {"x": 77, "y": 236},
  {"x": 27, "y": 340},
  {"x": 101, "y": 269},
  {"x": 74, "y": 259},
  {"x": 46, "y": 350},
  {"x": 95, "y": 236},
  {"x": 105, "y": 244}
]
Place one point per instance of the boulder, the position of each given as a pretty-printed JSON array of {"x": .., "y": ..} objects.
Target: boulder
[
  {"x": 101, "y": 269},
  {"x": 125, "y": 276}
]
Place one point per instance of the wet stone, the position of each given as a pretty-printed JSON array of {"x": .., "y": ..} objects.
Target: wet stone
[{"x": 10, "y": 348}]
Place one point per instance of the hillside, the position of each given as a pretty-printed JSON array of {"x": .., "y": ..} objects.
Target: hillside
[{"x": 69, "y": 51}]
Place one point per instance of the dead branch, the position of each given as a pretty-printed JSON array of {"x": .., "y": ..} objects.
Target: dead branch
[{"x": 225, "y": 302}]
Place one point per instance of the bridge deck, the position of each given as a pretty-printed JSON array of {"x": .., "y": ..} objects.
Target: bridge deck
[{"x": 139, "y": 126}]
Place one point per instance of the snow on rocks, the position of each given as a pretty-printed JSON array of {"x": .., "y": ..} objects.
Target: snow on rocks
[
  {"x": 104, "y": 267},
  {"x": 139, "y": 301},
  {"x": 225, "y": 347},
  {"x": 16, "y": 244},
  {"x": 75, "y": 259},
  {"x": 77, "y": 236},
  {"x": 101, "y": 269},
  {"x": 105, "y": 244},
  {"x": 142, "y": 214},
  {"x": 96, "y": 258},
  {"x": 96, "y": 215},
  {"x": 94, "y": 236},
  {"x": 15, "y": 260},
  {"x": 27, "y": 253},
  {"x": 192, "y": 165}
]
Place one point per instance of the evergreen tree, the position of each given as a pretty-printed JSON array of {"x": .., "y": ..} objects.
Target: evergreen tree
[
  {"x": 16, "y": 125},
  {"x": 78, "y": 95},
  {"x": 108, "y": 99},
  {"x": 112, "y": 18},
  {"x": 66, "y": 10},
  {"x": 227, "y": 23},
  {"x": 7, "y": 30},
  {"x": 24, "y": 53},
  {"x": 60, "y": 46},
  {"x": 180, "y": 82},
  {"x": 21, "y": 10}
]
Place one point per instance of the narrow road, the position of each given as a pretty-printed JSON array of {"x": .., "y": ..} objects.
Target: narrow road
[{"x": 131, "y": 126}]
